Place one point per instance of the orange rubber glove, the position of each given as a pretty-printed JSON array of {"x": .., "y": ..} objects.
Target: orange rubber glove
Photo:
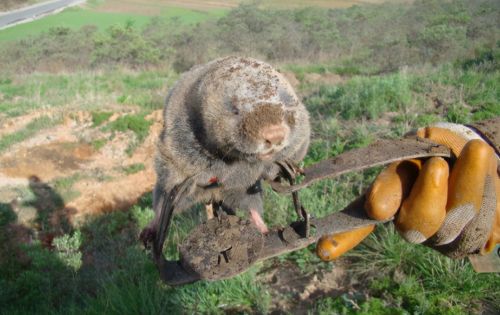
[{"x": 456, "y": 212}]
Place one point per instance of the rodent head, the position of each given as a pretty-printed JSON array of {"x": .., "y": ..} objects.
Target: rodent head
[{"x": 249, "y": 109}]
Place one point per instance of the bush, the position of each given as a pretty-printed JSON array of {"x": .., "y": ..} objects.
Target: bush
[
  {"x": 56, "y": 50},
  {"x": 136, "y": 123},
  {"x": 357, "y": 40},
  {"x": 123, "y": 45}
]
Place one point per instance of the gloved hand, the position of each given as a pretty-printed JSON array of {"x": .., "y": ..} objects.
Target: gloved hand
[{"x": 456, "y": 212}]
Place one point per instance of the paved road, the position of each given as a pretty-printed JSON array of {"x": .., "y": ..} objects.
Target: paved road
[{"x": 34, "y": 12}]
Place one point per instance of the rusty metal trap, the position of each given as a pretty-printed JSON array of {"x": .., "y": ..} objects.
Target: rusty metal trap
[{"x": 228, "y": 245}]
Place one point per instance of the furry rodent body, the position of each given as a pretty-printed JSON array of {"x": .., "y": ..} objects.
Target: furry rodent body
[{"x": 226, "y": 123}]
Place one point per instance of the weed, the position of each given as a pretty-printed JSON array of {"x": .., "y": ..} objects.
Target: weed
[
  {"x": 98, "y": 143},
  {"x": 132, "y": 122},
  {"x": 135, "y": 123},
  {"x": 67, "y": 248},
  {"x": 134, "y": 168},
  {"x": 363, "y": 97},
  {"x": 98, "y": 118},
  {"x": 28, "y": 131},
  {"x": 349, "y": 304},
  {"x": 426, "y": 278},
  {"x": 123, "y": 45}
]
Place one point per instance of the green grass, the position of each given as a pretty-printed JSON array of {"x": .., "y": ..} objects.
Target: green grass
[
  {"x": 367, "y": 97},
  {"x": 418, "y": 279},
  {"x": 85, "y": 90},
  {"x": 75, "y": 18},
  {"x": 133, "y": 168},
  {"x": 132, "y": 88},
  {"x": 131, "y": 122},
  {"x": 76, "y": 90},
  {"x": 64, "y": 280},
  {"x": 98, "y": 144},
  {"x": 98, "y": 118},
  {"x": 28, "y": 131},
  {"x": 301, "y": 70}
]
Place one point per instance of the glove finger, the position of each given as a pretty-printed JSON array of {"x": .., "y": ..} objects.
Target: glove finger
[
  {"x": 391, "y": 186},
  {"x": 477, "y": 231},
  {"x": 333, "y": 246},
  {"x": 465, "y": 189},
  {"x": 423, "y": 212},
  {"x": 453, "y": 136}
]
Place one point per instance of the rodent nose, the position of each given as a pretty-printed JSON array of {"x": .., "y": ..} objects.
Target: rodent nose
[{"x": 273, "y": 134}]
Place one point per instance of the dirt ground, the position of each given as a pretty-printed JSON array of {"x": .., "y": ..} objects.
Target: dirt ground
[{"x": 65, "y": 154}]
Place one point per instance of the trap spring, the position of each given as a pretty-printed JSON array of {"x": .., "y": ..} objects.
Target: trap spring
[{"x": 226, "y": 246}]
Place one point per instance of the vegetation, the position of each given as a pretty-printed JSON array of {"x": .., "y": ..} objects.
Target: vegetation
[
  {"x": 399, "y": 67},
  {"x": 98, "y": 144},
  {"x": 357, "y": 40},
  {"x": 75, "y": 18},
  {"x": 134, "y": 168},
  {"x": 136, "y": 123},
  {"x": 98, "y": 118},
  {"x": 30, "y": 130}
]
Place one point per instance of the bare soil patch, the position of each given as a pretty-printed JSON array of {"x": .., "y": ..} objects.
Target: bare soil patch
[
  {"x": 294, "y": 292},
  {"x": 47, "y": 161},
  {"x": 94, "y": 176}
]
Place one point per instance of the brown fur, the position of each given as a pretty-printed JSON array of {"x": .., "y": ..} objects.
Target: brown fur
[
  {"x": 212, "y": 122},
  {"x": 264, "y": 115}
]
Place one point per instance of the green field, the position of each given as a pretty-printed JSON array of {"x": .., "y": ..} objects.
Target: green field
[{"x": 75, "y": 18}]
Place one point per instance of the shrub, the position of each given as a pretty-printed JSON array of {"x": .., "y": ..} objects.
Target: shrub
[
  {"x": 136, "y": 123},
  {"x": 123, "y": 45},
  {"x": 58, "y": 49},
  {"x": 98, "y": 118}
]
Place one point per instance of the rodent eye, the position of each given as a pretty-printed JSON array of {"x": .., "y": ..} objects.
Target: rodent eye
[{"x": 236, "y": 111}]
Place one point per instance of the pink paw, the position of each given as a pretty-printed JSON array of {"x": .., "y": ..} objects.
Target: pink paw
[{"x": 257, "y": 220}]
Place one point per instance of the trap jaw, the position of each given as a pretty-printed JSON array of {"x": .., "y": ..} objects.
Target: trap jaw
[{"x": 228, "y": 245}]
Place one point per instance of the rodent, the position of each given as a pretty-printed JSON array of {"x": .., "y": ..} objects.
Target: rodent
[{"x": 226, "y": 123}]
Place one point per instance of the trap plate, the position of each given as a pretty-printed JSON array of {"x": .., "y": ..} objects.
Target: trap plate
[{"x": 221, "y": 248}]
